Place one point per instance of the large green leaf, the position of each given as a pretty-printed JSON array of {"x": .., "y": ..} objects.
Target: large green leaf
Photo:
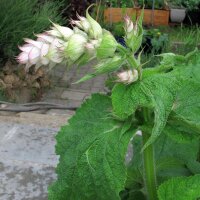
[
  {"x": 180, "y": 134},
  {"x": 187, "y": 107},
  {"x": 174, "y": 158},
  {"x": 92, "y": 152},
  {"x": 180, "y": 188},
  {"x": 156, "y": 91}
]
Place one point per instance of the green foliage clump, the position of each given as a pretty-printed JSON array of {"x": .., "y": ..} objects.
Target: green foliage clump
[
  {"x": 159, "y": 4},
  {"x": 120, "y": 4},
  {"x": 154, "y": 41},
  {"x": 189, "y": 188},
  {"x": 188, "y": 4},
  {"x": 20, "y": 19}
]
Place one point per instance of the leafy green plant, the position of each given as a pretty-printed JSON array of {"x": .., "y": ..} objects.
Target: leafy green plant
[
  {"x": 154, "y": 110},
  {"x": 188, "y": 4},
  {"x": 159, "y": 4},
  {"x": 191, "y": 4},
  {"x": 182, "y": 39},
  {"x": 20, "y": 19},
  {"x": 120, "y": 4},
  {"x": 176, "y": 3},
  {"x": 154, "y": 41}
]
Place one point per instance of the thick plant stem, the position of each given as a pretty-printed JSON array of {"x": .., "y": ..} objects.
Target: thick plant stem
[{"x": 149, "y": 169}]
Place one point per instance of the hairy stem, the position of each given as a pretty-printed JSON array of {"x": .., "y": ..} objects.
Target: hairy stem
[
  {"x": 130, "y": 59},
  {"x": 149, "y": 169},
  {"x": 132, "y": 62}
]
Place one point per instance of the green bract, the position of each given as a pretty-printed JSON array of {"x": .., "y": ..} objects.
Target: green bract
[{"x": 108, "y": 45}]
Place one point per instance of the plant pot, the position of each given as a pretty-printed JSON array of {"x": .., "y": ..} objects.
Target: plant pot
[
  {"x": 177, "y": 15},
  {"x": 155, "y": 17},
  {"x": 114, "y": 15}
]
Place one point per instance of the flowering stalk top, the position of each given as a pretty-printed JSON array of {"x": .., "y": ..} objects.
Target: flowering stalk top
[
  {"x": 84, "y": 42},
  {"x": 62, "y": 44}
]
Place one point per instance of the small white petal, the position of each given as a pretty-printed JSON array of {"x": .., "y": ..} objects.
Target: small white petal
[
  {"x": 44, "y": 50},
  {"x": 23, "y": 58},
  {"x": 26, "y": 48},
  {"x": 34, "y": 55},
  {"x": 45, "y": 38},
  {"x": 37, "y": 44}
]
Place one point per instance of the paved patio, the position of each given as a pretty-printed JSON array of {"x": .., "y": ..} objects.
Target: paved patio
[{"x": 27, "y": 158}]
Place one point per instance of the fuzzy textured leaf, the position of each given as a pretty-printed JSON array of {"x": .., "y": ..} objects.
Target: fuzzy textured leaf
[
  {"x": 181, "y": 188},
  {"x": 187, "y": 107},
  {"x": 157, "y": 92},
  {"x": 92, "y": 152}
]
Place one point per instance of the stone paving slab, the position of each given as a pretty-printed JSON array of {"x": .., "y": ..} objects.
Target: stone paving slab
[
  {"x": 45, "y": 120},
  {"x": 27, "y": 143},
  {"x": 25, "y": 180},
  {"x": 27, "y": 161},
  {"x": 74, "y": 95}
]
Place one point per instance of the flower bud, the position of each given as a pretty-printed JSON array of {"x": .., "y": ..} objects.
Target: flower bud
[
  {"x": 128, "y": 77},
  {"x": 44, "y": 37},
  {"x": 107, "y": 46},
  {"x": 134, "y": 33},
  {"x": 75, "y": 47},
  {"x": 130, "y": 27},
  {"x": 61, "y": 31},
  {"x": 82, "y": 24},
  {"x": 95, "y": 30},
  {"x": 80, "y": 32}
]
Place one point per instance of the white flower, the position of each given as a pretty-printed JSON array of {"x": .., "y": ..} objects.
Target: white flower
[
  {"x": 128, "y": 77},
  {"x": 43, "y": 51}
]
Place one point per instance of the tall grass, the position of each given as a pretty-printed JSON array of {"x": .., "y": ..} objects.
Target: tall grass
[
  {"x": 22, "y": 18},
  {"x": 183, "y": 39}
]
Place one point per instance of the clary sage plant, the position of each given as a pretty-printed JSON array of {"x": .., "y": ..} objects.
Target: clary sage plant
[{"x": 163, "y": 103}]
